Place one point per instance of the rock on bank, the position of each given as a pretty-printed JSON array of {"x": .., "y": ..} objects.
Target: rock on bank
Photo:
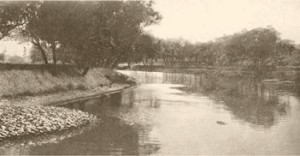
[{"x": 19, "y": 121}]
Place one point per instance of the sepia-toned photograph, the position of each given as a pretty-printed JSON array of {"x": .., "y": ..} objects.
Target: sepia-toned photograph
[{"x": 150, "y": 77}]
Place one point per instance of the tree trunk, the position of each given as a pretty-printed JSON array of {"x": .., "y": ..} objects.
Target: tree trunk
[
  {"x": 53, "y": 48},
  {"x": 129, "y": 64},
  {"x": 164, "y": 61},
  {"x": 85, "y": 71},
  {"x": 37, "y": 43}
]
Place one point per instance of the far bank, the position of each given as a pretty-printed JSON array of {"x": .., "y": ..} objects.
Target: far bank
[{"x": 283, "y": 73}]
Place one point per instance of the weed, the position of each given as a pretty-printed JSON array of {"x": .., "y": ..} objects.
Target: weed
[{"x": 82, "y": 87}]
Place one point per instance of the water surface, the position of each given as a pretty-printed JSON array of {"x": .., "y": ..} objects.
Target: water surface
[{"x": 182, "y": 114}]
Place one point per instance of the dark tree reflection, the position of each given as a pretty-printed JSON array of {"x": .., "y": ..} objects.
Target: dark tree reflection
[
  {"x": 248, "y": 98},
  {"x": 297, "y": 83},
  {"x": 111, "y": 135}
]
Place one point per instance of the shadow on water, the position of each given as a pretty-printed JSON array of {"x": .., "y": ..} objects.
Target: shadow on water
[
  {"x": 109, "y": 136},
  {"x": 297, "y": 83},
  {"x": 21, "y": 146},
  {"x": 249, "y": 99},
  {"x": 112, "y": 135}
]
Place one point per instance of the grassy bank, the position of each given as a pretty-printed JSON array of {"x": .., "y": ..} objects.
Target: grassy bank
[{"x": 46, "y": 80}]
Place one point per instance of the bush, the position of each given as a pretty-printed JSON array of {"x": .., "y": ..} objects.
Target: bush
[
  {"x": 70, "y": 86},
  {"x": 82, "y": 87}
]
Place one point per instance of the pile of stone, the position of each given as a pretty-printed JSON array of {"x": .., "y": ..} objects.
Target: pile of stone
[{"x": 18, "y": 121}]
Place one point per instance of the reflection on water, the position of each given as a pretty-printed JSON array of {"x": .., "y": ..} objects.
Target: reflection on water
[
  {"x": 252, "y": 101},
  {"x": 257, "y": 102},
  {"x": 22, "y": 146},
  {"x": 185, "y": 114}
]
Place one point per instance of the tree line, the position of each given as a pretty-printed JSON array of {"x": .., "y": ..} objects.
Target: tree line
[
  {"x": 254, "y": 49},
  {"x": 84, "y": 33},
  {"x": 104, "y": 34}
]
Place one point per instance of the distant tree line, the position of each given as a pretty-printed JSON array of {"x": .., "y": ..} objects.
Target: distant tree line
[
  {"x": 259, "y": 49},
  {"x": 84, "y": 33}
]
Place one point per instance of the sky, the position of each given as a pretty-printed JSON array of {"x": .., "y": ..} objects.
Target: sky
[
  {"x": 14, "y": 48},
  {"x": 205, "y": 20}
]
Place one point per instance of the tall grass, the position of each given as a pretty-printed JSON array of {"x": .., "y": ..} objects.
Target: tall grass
[{"x": 36, "y": 79}]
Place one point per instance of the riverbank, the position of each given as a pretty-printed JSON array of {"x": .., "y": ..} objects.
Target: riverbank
[
  {"x": 33, "y": 80},
  {"x": 20, "y": 121},
  {"x": 281, "y": 73},
  {"x": 61, "y": 97},
  {"x": 193, "y": 70},
  {"x": 42, "y": 85},
  {"x": 36, "y": 115},
  {"x": 29, "y": 94}
]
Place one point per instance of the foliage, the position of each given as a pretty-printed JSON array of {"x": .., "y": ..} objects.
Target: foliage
[
  {"x": 36, "y": 56},
  {"x": 145, "y": 49},
  {"x": 259, "y": 49},
  {"x": 12, "y": 15},
  {"x": 101, "y": 33},
  {"x": 92, "y": 33}
]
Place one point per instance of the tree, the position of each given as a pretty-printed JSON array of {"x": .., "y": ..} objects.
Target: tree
[
  {"x": 284, "y": 52},
  {"x": 259, "y": 49},
  {"x": 12, "y": 15},
  {"x": 103, "y": 33},
  {"x": 2, "y": 55},
  {"x": 97, "y": 33},
  {"x": 128, "y": 24},
  {"x": 170, "y": 51},
  {"x": 16, "y": 17},
  {"x": 146, "y": 50},
  {"x": 260, "y": 45},
  {"x": 45, "y": 25},
  {"x": 36, "y": 56},
  {"x": 254, "y": 49}
]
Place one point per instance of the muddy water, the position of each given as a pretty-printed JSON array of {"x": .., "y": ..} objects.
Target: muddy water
[{"x": 182, "y": 114}]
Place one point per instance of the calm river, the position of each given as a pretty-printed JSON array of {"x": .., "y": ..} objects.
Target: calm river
[{"x": 182, "y": 114}]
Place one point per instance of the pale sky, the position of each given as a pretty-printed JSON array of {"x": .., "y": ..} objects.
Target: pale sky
[
  {"x": 204, "y": 20},
  {"x": 14, "y": 48}
]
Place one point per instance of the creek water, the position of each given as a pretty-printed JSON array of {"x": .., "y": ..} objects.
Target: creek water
[{"x": 171, "y": 113}]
